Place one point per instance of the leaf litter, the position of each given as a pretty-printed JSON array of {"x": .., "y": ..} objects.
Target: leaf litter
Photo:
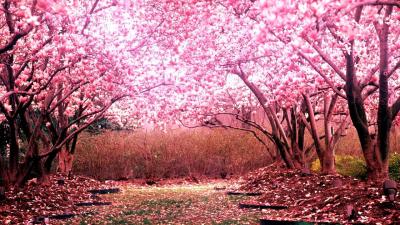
[{"x": 311, "y": 197}]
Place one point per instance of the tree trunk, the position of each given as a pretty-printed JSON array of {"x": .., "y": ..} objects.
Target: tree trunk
[
  {"x": 30, "y": 168},
  {"x": 328, "y": 157},
  {"x": 297, "y": 140},
  {"x": 358, "y": 117},
  {"x": 328, "y": 162},
  {"x": 69, "y": 157},
  {"x": 32, "y": 165},
  {"x": 384, "y": 118},
  {"x": 14, "y": 148},
  {"x": 49, "y": 161},
  {"x": 65, "y": 160},
  {"x": 284, "y": 154},
  {"x": 325, "y": 155},
  {"x": 278, "y": 133},
  {"x": 377, "y": 169}
]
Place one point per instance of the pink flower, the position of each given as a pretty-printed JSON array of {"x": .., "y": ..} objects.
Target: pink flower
[
  {"x": 8, "y": 107},
  {"x": 33, "y": 20},
  {"x": 43, "y": 5}
]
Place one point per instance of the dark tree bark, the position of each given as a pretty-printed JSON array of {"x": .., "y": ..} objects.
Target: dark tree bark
[
  {"x": 375, "y": 147},
  {"x": 14, "y": 147}
]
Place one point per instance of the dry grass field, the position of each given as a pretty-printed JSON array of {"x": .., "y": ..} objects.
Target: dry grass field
[{"x": 180, "y": 153}]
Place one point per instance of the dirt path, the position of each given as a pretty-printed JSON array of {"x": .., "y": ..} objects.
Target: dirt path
[{"x": 171, "y": 204}]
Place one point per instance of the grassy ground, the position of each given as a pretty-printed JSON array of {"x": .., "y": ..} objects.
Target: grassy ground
[{"x": 172, "y": 204}]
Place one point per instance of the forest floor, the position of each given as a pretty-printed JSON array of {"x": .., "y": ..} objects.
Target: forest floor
[{"x": 299, "y": 197}]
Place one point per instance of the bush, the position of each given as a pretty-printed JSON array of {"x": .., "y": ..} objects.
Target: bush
[
  {"x": 351, "y": 166},
  {"x": 355, "y": 167},
  {"x": 394, "y": 166},
  {"x": 346, "y": 165}
]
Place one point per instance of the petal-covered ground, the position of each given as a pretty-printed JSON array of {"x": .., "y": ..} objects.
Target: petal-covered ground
[
  {"x": 167, "y": 202},
  {"x": 309, "y": 197},
  {"x": 313, "y": 197},
  {"x": 35, "y": 202}
]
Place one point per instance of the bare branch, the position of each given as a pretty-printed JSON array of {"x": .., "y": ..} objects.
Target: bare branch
[
  {"x": 234, "y": 128},
  {"x": 368, "y": 78},
  {"x": 370, "y": 92},
  {"x": 153, "y": 87},
  {"x": 339, "y": 132},
  {"x": 305, "y": 122}
]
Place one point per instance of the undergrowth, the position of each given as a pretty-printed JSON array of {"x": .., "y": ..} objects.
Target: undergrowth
[
  {"x": 212, "y": 153},
  {"x": 199, "y": 152}
]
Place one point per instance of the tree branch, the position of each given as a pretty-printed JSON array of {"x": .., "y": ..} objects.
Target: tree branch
[
  {"x": 326, "y": 58},
  {"x": 395, "y": 108},
  {"x": 234, "y": 128},
  {"x": 13, "y": 41},
  {"x": 326, "y": 79},
  {"x": 391, "y": 72},
  {"x": 377, "y": 2}
]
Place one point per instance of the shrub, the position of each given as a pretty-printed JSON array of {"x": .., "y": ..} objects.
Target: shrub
[
  {"x": 355, "y": 166},
  {"x": 394, "y": 166},
  {"x": 351, "y": 166},
  {"x": 346, "y": 165}
]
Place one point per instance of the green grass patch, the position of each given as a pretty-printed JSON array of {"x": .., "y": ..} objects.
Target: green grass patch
[
  {"x": 147, "y": 221},
  {"x": 119, "y": 221},
  {"x": 226, "y": 222},
  {"x": 166, "y": 203},
  {"x": 238, "y": 198},
  {"x": 140, "y": 212}
]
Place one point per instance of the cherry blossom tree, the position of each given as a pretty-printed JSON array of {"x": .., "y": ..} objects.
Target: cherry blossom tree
[
  {"x": 65, "y": 64},
  {"x": 352, "y": 46},
  {"x": 63, "y": 68},
  {"x": 219, "y": 41}
]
